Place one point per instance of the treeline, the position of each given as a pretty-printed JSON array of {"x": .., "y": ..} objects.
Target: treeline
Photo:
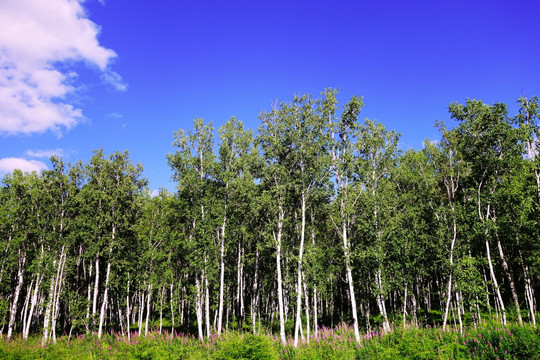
[{"x": 316, "y": 219}]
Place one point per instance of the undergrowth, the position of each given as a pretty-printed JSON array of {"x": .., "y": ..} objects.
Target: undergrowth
[{"x": 489, "y": 341}]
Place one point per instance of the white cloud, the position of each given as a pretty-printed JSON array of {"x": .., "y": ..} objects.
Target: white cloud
[
  {"x": 7, "y": 165},
  {"x": 36, "y": 37},
  {"x": 154, "y": 193},
  {"x": 114, "y": 79},
  {"x": 45, "y": 153},
  {"x": 114, "y": 115}
]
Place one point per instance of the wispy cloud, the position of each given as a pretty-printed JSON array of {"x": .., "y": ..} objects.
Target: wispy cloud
[
  {"x": 44, "y": 153},
  {"x": 37, "y": 36},
  {"x": 114, "y": 79},
  {"x": 114, "y": 115},
  {"x": 7, "y": 165}
]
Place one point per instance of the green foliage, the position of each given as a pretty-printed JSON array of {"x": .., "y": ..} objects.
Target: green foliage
[
  {"x": 247, "y": 346},
  {"x": 488, "y": 341}
]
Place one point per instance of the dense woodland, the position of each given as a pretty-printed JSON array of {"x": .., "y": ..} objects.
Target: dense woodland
[{"x": 315, "y": 219}]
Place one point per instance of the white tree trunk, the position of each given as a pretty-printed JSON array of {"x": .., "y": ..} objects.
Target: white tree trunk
[
  {"x": 299, "y": 274},
  {"x": 449, "y": 291},
  {"x": 241, "y": 284},
  {"x": 57, "y": 291},
  {"x": 32, "y": 306},
  {"x": 26, "y": 304},
  {"x": 16, "y": 293},
  {"x": 494, "y": 279},
  {"x": 281, "y": 217},
  {"x": 349, "y": 272},
  {"x": 172, "y": 309},
  {"x": 380, "y": 300},
  {"x": 162, "y": 293},
  {"x": 128, "y": 313},
  {"x": 255, "y": 297},
  {"x": 89, "y": 298},
  {"x": 510, "y": 280},
  {"x": 306, "y": 302},
  {"x": 405, "y": 305},
  {"x": 221, "y": 275},
  {"x": 105, "y": 299},
  {"x": 141, "y": 312},
  {"x": 96, "y": 287},
  {"x": 459, "y": 312},
  {"x": 148, "y": 298},
  {"x": 120, "y": 318},
  {"x": 529, "y": 295},
  {"x": 206, "y": 301},
  {"x": 198, "y": 308},
  {"x": 315, "y": 312},
  {"x": 48, "y": 309}
]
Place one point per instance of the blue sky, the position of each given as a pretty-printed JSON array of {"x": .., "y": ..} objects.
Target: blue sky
[{"x": 123, "y": 75}]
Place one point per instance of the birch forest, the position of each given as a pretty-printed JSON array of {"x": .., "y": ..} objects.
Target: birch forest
[{"x": 316, "y": 218}]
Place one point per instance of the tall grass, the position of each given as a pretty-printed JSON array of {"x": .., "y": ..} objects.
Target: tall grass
[{"x": 489, "y": 341}]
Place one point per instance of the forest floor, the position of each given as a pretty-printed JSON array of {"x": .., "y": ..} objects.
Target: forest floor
[{"x": 488, "y": 341}]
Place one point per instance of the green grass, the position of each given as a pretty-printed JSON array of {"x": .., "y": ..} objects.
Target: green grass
[{"x": 490, "y": 341}]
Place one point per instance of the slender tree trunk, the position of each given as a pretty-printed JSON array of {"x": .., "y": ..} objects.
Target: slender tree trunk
[
  {"x": 529, "y": 294},
  {"x": 172, "y": 309},
  {"x": 128, "y": 313},
  {"x": 120, "y": 318},
  {"x": 141, "y": 312},
  {"x": 148, "y": 298},
  {"x": 48, "y": 309},
  {"x": 509, "y": 278},
  {"x": 306, "y": 301},
  {"x": 16, "y": 293},
  {"x": 105, "y": 300},
  {"x": 108, "y": 273},
  {"x": 26, "y": 304},
  {"x": 494, "y": 280},
  {"x": 89, "y": 298},
  {"x": 255, "y": 297},
  {"x": 414, "y": 305},
  {"x": 405, "y": 305},
  {"x": 380, "y": 300},
  {"x": 459, "y": 312},
  {"x": 315, "y": 312},
  {"x": 242, "y": 282},
  {"x": 315, "y": 300},
  {"x": 96, "y": 287},
  {"x": 299, "y": 273},
  {"x": 207, "y": 301},
  {"x": 221, "y": 275},
  {"x": 237, "y": 311},
  {"x": 281, "y": 217},
  {"x": 32, "y": 306},
  {"x": 57, "y": 291},
  {"x": 198, "y": 307},
  {"x": 449, "y": 291},
  {"x": 349, "y": 273}
]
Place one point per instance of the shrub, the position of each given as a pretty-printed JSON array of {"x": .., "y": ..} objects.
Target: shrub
[{"x": 246, "y": 346}]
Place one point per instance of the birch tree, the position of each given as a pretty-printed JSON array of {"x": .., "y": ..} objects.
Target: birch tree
[
  {"x": 113, "y": 186},
  {"x": 193, "y": 165},
  {"x": 234, "y": 175},
  {"x": 276, "y": 177},
  {"x": 377, "y": 151},
  {"x": 343, "y": 135},
  {"x": 488, "y": 143}
]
